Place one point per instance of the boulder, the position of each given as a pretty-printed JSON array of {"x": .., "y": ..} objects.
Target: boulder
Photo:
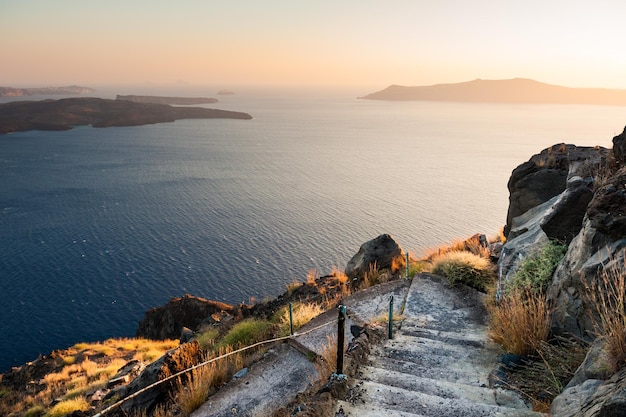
[
  {"x": 593, "y": 398},
  {"x": 381, "y": 252},
  {"x": 588, "y": 254},
  {"x": 545, "y": 175},
  {"x": 167, "y": 322},
  {"x": 607, "y": 210},
  {"x": 619, "y": 149}
]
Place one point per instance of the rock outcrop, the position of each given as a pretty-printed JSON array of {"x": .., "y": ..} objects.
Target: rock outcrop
[
  {"x": 577, "y": 196},
  {"x": 19, "y": 116},
  {"x": 380, "y": 252},
  {"x": 168, "y": 321}
]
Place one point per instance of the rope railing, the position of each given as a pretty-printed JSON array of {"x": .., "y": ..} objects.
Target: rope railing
[{"x": 176, "y": 375}]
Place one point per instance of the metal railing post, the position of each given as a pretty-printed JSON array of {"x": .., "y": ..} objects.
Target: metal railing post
[
  {"x": 341, "y": 331},
  {"x": 391, "y": 317},
  {"x": 291, "y": 319}
]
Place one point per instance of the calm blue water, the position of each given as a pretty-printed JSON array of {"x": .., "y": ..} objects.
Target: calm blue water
[{"x": 99, "y": 225}]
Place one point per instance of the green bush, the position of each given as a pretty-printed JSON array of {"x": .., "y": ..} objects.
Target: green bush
[
  {"x": 535, "y": 271},
  {"x": 247, "y": 332}
]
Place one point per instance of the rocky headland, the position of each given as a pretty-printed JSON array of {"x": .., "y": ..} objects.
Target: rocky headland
[
  {"x": 567, "y": 194},
  {"x": 181, "y": 101},
  {"x": 64, "y": 114},
  {"x": 517, "y": 90},
  {"x": 44, "y": 91}
]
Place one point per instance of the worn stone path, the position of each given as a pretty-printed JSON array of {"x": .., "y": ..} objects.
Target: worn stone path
[{"x": 437, "y": 364}]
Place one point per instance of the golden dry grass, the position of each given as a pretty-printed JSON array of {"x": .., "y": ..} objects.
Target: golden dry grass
[
  {"x": 608, "y": 296},
  {"x": 520, "y": 322},
  {"x": 302, "y": 314}
]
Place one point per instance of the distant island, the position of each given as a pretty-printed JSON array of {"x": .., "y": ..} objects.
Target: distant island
[
  {"x": 44, "y": 91},
  {"x": 168, "y": 100},
  {"x": 64, "y": 114},
  {"x": 517, "y": 90}
]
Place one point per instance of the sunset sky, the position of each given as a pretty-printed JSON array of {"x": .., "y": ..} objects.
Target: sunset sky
[{"x": 317, "y": 42}]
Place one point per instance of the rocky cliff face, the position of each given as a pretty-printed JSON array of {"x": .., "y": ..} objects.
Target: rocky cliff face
[{"x": 576, "y": 195}]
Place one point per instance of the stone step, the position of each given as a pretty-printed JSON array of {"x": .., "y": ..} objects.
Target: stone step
[
  {"x": 431, "y": 370},
  {"x": 469, "y": 336},
  {"x": 407, "y": 347},
  {"x": 407, "y": 401},
  {"x": 346, "y": 409},
  {"x": 441, "y": 388}
]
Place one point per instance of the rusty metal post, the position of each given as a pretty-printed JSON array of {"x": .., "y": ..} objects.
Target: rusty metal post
[{"x": 291, "y": 319}]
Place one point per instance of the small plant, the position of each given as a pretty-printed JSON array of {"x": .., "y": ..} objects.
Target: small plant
[
  {"x": 326, "y": 365},
  {"x": 35, "y": 411},
  {"x": 520, "y": 321},
  {"x": 465, "y": 268},
  {"x": 68, "y": 406},
  {"x": 536, "y": 270},
  {"x": 207, "y": 338}
]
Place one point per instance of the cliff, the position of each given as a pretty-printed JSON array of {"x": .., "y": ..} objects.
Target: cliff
[
  {"x": 66, "y": 113},
  {"x": 517, "y": 90},
  {"x": 183, "y": 101}
]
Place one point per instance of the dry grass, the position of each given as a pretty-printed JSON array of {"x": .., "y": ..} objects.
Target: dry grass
[
  {"x": 520, "y": 322},
  {"x": 302, "y": 314},
  {"x": 194, "y": 389},
  {"x": 464, "y": 267},
  {"x": 85, "y": 367},
  {"x": 328, "y": 363},
  {"x": 608, "y": 296}
]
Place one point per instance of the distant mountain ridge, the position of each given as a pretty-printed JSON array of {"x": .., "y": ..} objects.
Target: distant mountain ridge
[{"x": 516, "y": 90}]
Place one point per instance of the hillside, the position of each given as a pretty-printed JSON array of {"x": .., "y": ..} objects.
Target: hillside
[
  {"x": 517, "y": 90},
  {"x": 19, "y": 116}
]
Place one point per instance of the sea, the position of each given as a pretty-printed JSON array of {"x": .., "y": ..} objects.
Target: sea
[{"x": 98, "y": 225}]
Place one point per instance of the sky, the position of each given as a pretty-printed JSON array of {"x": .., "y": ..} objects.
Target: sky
[{"x": 311, "y": 42}]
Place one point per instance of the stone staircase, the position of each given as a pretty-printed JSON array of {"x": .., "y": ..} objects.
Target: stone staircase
[{"x": 437, "y": 364}]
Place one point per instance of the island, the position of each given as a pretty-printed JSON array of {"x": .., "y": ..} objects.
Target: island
[
  {"x": 64, "y": 114},
  {"x": 168, "y": 100},
  {"x": 43, "y": 91},
  {"x": 517, "y": 90}
]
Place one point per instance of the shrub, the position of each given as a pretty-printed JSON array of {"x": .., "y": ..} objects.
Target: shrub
[
  {"x": 536, "y": 270},
  {"x": 247, "y": 332},
  {"x": 465, "y": 268},
  {"x": 520, "y": 321},
  {"x": 35, "y": 411}
]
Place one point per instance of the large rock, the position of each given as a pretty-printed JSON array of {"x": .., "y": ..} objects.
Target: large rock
[
  {"x": 593, "y": 398},
  {"x": 546, "y": 175},
  {"x": 168, "y": 321},
  {"x": 568, "y": 294},
  {"x": 607, "y": 210},
  {"x": 381, "y": 251},
  {"x": 619, "y": 149}
]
